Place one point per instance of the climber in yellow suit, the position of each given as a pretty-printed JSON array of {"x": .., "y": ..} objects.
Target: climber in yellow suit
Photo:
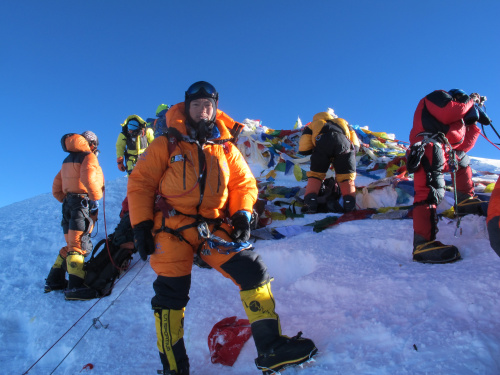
[{"x": 132, "y": 141}]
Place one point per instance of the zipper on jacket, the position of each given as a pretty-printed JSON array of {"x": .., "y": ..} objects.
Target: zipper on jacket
[
  {"x": 218, "y": 176},
  {"x": 184, "y": 174}
]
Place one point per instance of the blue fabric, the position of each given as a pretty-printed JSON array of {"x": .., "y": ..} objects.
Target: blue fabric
[
  {"x": 363, "y": 137},
  {"x": 225, "y": 247},
  {"x": 289, "y": 167},
  {"x": 215, "y": 133}
]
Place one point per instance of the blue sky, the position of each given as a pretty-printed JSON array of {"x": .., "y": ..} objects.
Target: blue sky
[{"x": 71, "y": 66}]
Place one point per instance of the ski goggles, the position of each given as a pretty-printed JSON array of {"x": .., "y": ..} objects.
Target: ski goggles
[
  {"x": 201, "y": 89},
  {"x": 133, "y": 124}
]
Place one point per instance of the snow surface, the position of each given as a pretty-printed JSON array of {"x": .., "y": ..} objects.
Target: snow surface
[{"x": 352, "y": 288}]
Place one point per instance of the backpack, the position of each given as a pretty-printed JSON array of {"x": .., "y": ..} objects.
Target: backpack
[{"x": 105, "y": 266}]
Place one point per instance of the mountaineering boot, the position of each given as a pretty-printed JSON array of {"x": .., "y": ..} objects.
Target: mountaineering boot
[
  {"x": 182, "y": 365},
  {"x": 170, "y": 331},
  {"x": 349, "y": 203},
  {"x": 310, "y": 204},
  {"x": 469, "y": 205},
  {"x": 275, "y": 351},
  {"x": 56, "y": 280},
  {"x": 77, "y": 290},
  {"x": 433, "y": 251},
  {"x": 285, "y": 352}
]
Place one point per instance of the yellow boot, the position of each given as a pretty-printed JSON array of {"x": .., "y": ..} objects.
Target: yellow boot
[
  {"x": 77, "y": 290},
  {"x": 56, "y": 280},
  {"x": 170, "y": 331},
  {"x": 275, "y": 351}
]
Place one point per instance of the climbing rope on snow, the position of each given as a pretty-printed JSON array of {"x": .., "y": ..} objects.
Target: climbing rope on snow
[
  {"x": 95, "y": 320},
  {"x": 93, "y": 324}
]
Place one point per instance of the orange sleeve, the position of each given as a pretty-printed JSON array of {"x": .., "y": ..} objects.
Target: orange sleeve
[
  {"x": 91, "y": 177},
  {"x": 242, "y": 187},
  {"x": 145, "y": 179},
  {"x": 228, "y": 121},
  {"x": 494, "y": 204},
  {"x": 57, "y": 190}
]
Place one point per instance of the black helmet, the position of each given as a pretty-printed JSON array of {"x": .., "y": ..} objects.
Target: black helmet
[
  {"x": 201, "y": 90},
  {"x": 91, "y": 138}
]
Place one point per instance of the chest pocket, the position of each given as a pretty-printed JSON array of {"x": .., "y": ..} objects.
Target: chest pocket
[
  {"x": 183, "y": 177},
  {"x": 217, "y": 171},
  {"x": 132, "y": 143}
]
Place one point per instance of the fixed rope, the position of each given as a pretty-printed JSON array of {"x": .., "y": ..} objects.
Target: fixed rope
[
  {"x": 95, "y": 320},
  {"x": 74, "y": 324}
]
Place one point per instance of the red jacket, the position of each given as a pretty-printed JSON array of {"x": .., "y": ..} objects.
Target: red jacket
[{"x": 438, "y": 112}]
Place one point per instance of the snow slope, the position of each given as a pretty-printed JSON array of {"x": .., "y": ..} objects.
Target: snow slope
[{"x": 352, "y": 288}]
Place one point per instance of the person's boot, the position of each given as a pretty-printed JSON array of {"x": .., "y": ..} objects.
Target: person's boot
[
  {"x": 310, "y": 204},
  {"x": 170, "y": 332},
  {"x": 77, "y": 290},
  {"x": 468, "y": 205},
  {"x": 285, "y": 352},
  {"x": 349, "y": 203},
  {"x": 433, "y": 251},
  {"x": 56, "y": 280},
  {"x": 275, "y": 351}
]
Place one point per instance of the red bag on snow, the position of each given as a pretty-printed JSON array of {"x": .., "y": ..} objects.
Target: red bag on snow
[{"x": 227, "y": 338}]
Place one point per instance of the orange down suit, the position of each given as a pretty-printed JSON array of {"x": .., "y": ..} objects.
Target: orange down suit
[
  {"x": 213, "y": 181},
  {"x": 79, "y": 180},
  {"x": 493, "y": 218}
]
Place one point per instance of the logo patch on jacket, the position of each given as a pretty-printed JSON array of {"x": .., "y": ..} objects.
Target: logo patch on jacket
[
  {"x": 175, "y": 158},
  {"x": 318, "y": 137}
]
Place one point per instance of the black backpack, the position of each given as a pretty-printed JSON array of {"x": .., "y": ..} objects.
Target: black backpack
[{"x": 105, "y": 266}]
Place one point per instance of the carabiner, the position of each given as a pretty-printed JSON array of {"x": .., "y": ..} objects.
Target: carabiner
[{"x": 203, "y": 230}]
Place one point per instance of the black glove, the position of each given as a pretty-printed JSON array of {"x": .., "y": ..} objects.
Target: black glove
[
  {"x": 483, "y": 117},
  {"x": 472, "y": 115},
  {"x": 143, "y": 239},
  {"x": 241, "y": 225}
]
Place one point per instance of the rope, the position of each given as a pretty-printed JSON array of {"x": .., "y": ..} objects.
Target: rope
[
  {"x": 95, "y": 320},
  {"x": 116, "y": 282},
  {"x": 494, "y": 145},
  {"x": 70, "y": 328}
]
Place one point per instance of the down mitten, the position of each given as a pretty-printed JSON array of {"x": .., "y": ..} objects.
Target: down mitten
[
  {"x": 241, "y": 224},
  {"x": 143, "y": 239}
]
